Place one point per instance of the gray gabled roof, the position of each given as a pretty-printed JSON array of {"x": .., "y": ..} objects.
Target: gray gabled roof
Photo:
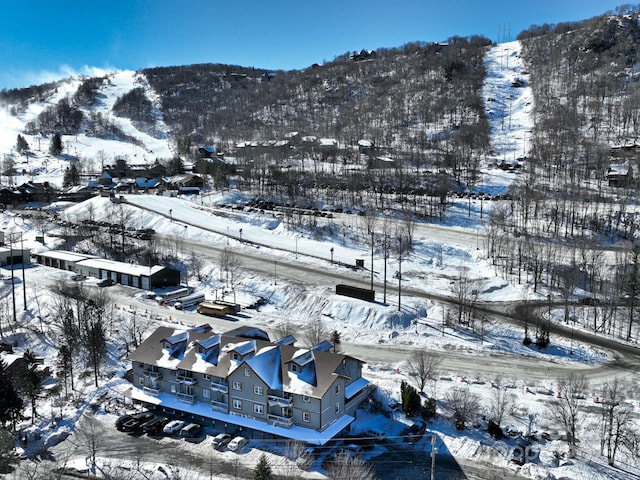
[{"x": 317, "y": 369}]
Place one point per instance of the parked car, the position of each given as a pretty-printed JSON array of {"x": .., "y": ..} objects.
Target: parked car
[
  {"x": 122, "y": 419},
  {"x": 174, "y": 426},
  {"x": 192, "y": 430},
  {"x": 135, "y": 422},
  {"x": 221, "y": 440},
  {"x": 155, "y": 425},
  {"x": 237, "y": 444},
  {"x": 78, "y": 278},
  {"x": 106, "y": 282}
]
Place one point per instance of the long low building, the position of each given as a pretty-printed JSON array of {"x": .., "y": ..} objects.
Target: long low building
[
  {"x": 14, "y": 256},
  {"x": 132, "y": 275},
  {"x": 241, "y": 380}
]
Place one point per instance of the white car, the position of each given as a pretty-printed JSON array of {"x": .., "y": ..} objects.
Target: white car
[
  {"x": 173, "y": 426},
  {"x": 237, "y": 444}
]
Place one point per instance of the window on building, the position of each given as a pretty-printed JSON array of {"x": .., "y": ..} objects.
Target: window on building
[
  {"x": 306, "y": 399},
  {"x": 306, "y": 417},
  {"x": 337, "y": 408},
  {"x": 141, "y": 381},
  {"x": 258, "y": 409},
  {"x": 206, "y": 393},
  {"x": 294, "y": 367},
  {"x": 173, "y": 388},
  {"x": 237, "y": 386},
  {"x": 235, "y": 356},
  {"x": 206, "y": 376},
  {"x": 337, "y": 389},
  {"x": 237, "y": 404},
  {"x": 258, "y": 390},
  {"x": 247, "y": 372}
]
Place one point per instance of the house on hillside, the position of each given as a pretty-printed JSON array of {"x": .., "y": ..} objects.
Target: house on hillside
[
  {"x": 207, "y": 152},
  {"x": 37, "y": 192},
  {"x": 145, "y": 184},
  {"x": 241, "y": 380},
  {"x": 184, "y": 180},
  {"x": 619, "y": 175}
]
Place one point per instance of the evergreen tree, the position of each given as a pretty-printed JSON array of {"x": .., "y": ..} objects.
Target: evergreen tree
[
  {"x": 55, "y": 147},
  {"x": 64, "y": 365},
  {"x": 28, "y": 381},
  {"x": 263, "y": 469},
  {"x": 175, "y": 166},
  {"x": 10, "y": 403},
  {"x": 8, "y": 455},
  {"x": 22, "y": 145},
  {"x": 411, "y": 403},
  {"x": 71, "y": 176},
  {"x": 335, "y": 340}
]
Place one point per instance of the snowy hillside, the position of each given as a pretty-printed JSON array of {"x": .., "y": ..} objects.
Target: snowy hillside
[
  {"x": 40, "y": 166},
  {"x": 479, "y": 357}
]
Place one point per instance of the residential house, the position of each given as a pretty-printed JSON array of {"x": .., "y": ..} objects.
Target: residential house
[
  {"x": 241, "y": 378},
  {"x": 619, "y": 175}
]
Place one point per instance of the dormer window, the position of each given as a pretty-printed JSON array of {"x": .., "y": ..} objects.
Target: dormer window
[
  {"x": 235, "y": 356},
  {"x": 294, "y": 368}
]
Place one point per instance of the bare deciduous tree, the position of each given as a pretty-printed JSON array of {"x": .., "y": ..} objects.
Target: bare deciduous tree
[
  {"x": 500, "y": 403},
  {"x": 423, "y": 366},
  {"x": 315, "y": 332},
  {"x": 464, "y": 405},
  {"x": 566, "y": 407},
  {"x": 615, "y": 418},
  {"x": 346, "y": 466}
]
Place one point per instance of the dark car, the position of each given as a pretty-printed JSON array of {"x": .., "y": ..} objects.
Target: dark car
[
  {"x": 221, "y": 440},
  {"x": 134, "y": 424},
  {"x": 106, "y": 282},
  {"x": 155, "y": 425},
  {"x": 192, "y": 430},
  {"x": 122, "y": 419}
]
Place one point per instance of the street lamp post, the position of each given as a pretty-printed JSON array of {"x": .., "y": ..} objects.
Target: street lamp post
[
  {"x": 275, "y": 270},
  {"x": 296, "y": 248},
  {"x": 331, "y": 250}
]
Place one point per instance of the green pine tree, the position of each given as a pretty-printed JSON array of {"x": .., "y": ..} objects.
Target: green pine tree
[
  {"x": 22, "y": 145},
  {"x": 55, "y": 147},
  {"x": 263, "y": 469}
]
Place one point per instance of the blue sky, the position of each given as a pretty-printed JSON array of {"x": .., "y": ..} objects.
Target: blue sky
[{"x": 42, "y": 40}]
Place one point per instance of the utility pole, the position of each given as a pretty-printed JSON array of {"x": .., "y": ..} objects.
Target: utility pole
[
  {"x": 13, "y": 285},
  {"x": 24, "y": 283},
  {"x": 433, "y": 456},
  {"x": 372, "y": 259},
  {"x": 400, "y": 275},
  {"x": 386, "y": 254}
]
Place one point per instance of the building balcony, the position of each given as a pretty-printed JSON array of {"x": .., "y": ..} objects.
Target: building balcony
[
  {"x": 221, "y": 387},
  {"x": 152, "y": 391},
  {"x": 219, "y": 406},
  {"x": 188, "y": 380},
  {"x": 186, "y": 398},
  {"x": 280, "y": 420},
  {"x": 152, "y": 375},
  {"x": 280, "y": 401}
]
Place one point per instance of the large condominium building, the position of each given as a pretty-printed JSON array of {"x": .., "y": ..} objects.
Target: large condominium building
[{"x": 242, "y": 379}]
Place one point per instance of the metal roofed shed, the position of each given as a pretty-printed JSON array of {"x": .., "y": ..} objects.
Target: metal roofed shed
[{"x": 137, "y": 276}]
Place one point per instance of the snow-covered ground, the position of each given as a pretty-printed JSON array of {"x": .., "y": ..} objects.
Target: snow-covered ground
[{"x": 437, "y": 258}]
